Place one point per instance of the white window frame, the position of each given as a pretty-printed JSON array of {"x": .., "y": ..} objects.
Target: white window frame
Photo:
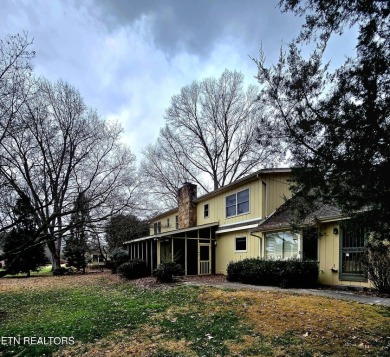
[
  {"x": 246, "y": 244},
  {"x": 236, "y": 204},
  {"x": 283, "y": 257}
]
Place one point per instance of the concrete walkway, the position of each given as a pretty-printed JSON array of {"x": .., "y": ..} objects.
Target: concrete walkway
[{"x": 340, "y": 295}]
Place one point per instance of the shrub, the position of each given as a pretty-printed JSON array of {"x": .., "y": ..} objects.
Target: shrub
[
  {"x": 377, "y": 265},
  {"x": 133, "y": 269},
  {"x": 166, "y": 272},
  {"x": 283, "y": 273},
  {"x": 118, "y": 257},
  {"x": 60, "y": 271}
]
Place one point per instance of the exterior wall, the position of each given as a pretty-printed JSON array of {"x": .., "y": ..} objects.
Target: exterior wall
[
  {"x": 225, "y": 249},
  {"x": 329, "y": 257},
  {"x": 163, "y": 220},
  {"x": 275, "y": 190}
]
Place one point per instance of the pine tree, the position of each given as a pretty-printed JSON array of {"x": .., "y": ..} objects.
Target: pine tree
[
  {"x": 21, "y": 252},
  {"x": 76, "y": 245}
]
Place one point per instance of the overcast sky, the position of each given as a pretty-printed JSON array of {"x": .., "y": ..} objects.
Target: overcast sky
[{"x": 128, "y": 57}]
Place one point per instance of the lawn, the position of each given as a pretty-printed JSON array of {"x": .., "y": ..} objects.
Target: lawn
[{"x": 108, "y": 317}]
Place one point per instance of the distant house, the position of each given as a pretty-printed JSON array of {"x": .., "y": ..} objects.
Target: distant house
[{"x": 250, "y": 217}]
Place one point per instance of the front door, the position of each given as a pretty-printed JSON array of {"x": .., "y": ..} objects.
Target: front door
[
  {"x": 352, "y": 253},
  {"x": 204, "y": 255}
]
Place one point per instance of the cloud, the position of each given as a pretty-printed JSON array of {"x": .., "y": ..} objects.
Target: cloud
[{"x": 128, "y": 58}]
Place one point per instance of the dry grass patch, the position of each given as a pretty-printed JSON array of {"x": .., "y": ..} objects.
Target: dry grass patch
[
  {"x": 317, "y": 324},
  {"x": 146, "y": 341},
  {"x": 48, "y": 282}
]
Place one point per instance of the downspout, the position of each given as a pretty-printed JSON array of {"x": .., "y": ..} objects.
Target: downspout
[{"x": 261, "y": 242}]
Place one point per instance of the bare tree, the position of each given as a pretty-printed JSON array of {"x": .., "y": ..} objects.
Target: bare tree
[
  {"x": 211, "y": 136},
  {"x": 15, "y": 76},
  {"x": 59, "y": 150}
]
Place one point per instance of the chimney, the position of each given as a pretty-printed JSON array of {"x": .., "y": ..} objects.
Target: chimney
[{"x": 187, "y": 207}]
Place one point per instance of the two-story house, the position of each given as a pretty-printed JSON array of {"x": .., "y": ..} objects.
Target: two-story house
[{"x": 247, "y": 218}]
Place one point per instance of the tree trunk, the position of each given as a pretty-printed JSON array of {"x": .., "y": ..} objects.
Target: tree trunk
[{"x": 28, "y": 274}]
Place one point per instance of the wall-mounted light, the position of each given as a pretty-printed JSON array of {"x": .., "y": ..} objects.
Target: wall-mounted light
[{"x": 335, "y": 231}]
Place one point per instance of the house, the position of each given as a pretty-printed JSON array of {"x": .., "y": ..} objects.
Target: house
[{"x": 249, "y": 218}]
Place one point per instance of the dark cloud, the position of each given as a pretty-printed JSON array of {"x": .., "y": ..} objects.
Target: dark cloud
[{"x": 196, "y": 26}]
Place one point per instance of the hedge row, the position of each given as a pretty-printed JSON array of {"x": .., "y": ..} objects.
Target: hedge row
[{"x": 283, "y": 273}]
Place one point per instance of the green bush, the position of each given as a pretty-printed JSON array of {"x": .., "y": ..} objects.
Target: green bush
[
  {"x": 283, "y": 273},
  {"x": 118, "y": 257},
  {"x": 166, "y": 272},
  {"x": 133, "y": 269}
]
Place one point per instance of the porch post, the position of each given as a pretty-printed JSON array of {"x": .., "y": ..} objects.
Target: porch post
[
  {"x": 172, "y": 251},
  {"x": 158, "y": 252},
  {"x": 151, "y": 257},
  {"x": 185, "y": 254}
]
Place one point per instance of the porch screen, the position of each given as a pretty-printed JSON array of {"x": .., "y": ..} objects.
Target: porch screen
[{"x": 281, "y": 245}]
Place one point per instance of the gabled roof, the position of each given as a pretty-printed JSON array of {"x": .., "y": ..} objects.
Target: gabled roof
[{"x": 282, "y": 218}]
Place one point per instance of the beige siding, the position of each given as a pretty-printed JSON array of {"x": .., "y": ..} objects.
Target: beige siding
[
  {"x": 329, "y": 258},
  {"x": 217, "y": 206},
  {"x": 225, "y": 250},
  {"x": 262, "y": 198},
  {"x": 277, "y": 189},
  {"x": 163, "y": 220}
]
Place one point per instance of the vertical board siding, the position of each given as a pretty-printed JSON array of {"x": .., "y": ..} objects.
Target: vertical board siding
[
  {"x": 225, "y": 249},
  {"x": 329, "y": 257}
]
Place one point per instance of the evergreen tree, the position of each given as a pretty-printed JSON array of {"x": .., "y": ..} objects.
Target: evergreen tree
[
  {"x": 122, "y": 228},
  {"x": 337, "y": 124},
  {"x": 76, "y": 244},
  {"x": 20, "y": 251}
]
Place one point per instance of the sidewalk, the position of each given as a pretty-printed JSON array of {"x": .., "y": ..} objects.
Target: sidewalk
[{"x": 340, "y": 295}]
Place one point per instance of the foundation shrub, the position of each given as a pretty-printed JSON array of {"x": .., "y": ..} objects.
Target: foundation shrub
[
  {"x": 283, "y": 273},
  {"x": 134, "y": 269},
  {"x": 166, "y": 272}
]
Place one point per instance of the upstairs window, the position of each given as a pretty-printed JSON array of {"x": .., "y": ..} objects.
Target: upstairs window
[
  {"x": 157, "y": 227},
  {"x": 168, "y": 222},
  {"x": 177, "y": 222},
  {"x": 206, "y": 210},
  {"x": 237, "y": 203}
]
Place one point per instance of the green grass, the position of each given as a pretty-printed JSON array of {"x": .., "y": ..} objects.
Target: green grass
[
  {"x": 46, "y": 270},
  {"x": 106, "y": 314}
]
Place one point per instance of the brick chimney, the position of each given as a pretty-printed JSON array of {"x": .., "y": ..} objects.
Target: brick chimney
[{"x": 187, "y": 207}]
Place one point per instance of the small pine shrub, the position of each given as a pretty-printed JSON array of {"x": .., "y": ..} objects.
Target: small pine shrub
[
  {"x": 166, "y": 272},
  {"x": 133, "y": 269},
  {"x": 283, "y": 273}
]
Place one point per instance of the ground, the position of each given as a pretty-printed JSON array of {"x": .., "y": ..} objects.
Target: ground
[{"x": 109, "y": 317}]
